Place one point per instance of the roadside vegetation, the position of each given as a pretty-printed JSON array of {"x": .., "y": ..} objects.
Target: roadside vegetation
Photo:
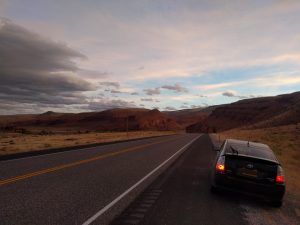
[
  {"x": 285, "y": 142},
  {"x": 11, "y": 143}
]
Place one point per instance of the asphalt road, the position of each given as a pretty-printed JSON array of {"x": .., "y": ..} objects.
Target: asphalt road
[
  {"x": 85, "y": 186},
  {"x": 181, "y": 195}
]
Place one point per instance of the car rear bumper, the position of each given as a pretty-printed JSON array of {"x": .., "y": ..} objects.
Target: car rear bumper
[{"x": 270, "y": 192}]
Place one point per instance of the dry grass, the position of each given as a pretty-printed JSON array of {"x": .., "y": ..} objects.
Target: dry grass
[
  {"x": 11, "y": 143},
  {"x": 285, "y": 141}
]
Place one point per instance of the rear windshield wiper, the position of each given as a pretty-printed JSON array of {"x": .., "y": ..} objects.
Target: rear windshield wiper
[{"x": 234, "y": 151}]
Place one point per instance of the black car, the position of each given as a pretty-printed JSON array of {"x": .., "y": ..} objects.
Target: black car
[{"x": 250, "y": 168}]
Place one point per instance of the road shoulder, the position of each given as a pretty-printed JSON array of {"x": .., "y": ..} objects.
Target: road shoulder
[{"x": 181, "y": 195}]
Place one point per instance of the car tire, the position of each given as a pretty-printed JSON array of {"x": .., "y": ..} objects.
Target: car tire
[
  {"x": 276, "y": 204},
  {"x": 214, "y": 189}
]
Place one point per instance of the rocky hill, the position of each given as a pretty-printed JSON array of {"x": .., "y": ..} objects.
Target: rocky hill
[
  {"x": 254, "y": 113},
  {"x": 186, "y": 117},
  {"x": 109, "y": 120}
]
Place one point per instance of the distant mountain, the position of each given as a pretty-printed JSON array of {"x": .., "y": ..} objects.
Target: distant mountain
[
  {"x": 137, "y": 119},
  {"x": 255, "y": 113},
  {"x": 109, "y": 120},
  {"x": 186, "y": 117}
]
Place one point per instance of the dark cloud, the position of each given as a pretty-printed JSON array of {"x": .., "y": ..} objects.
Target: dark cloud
[
  {"x": 37, "y": 70},
  {"x": 116, "y": 92},
  {"x": 231, "y": 94},
  {"x": 155, "y": 91},
  {"x": 201, "y": 96},
  {"x": 134, "y": 93},
  {"x": 61, "y": 98},
  {"x": 22, "y": 50},
  {"x": 176, "y": 87},
  {"x": 228, "y": 94},
  {"x": 92, "y": 74},
  {"x": 105, "y": 104},
  {"x": 147, "y": 99},
  {"x": 8, "y": 107},
  {"x": 110, "y": 84}
]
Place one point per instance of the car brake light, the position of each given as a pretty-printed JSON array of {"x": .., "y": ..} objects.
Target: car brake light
[
  {"x": 220, "y": 166},
  {"x": 280, "y": 175},
  {"x": 280, "y": 179}
]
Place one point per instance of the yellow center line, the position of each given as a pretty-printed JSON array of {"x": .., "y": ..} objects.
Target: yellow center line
[{"x": 77, "y": 163}]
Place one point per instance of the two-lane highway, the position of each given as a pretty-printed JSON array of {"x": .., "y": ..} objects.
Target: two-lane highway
[{"x": 83, "y": 186}]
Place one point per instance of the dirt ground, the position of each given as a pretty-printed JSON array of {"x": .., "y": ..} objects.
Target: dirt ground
[{"x": 11, "y": 143}]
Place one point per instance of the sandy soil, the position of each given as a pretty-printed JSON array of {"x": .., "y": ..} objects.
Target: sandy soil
[{"x": 11, "y": 143}]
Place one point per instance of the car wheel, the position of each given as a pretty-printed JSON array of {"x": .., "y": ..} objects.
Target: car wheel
[
  {"x": 214, "y": 189},
  {"x": 277, "y": 204}
]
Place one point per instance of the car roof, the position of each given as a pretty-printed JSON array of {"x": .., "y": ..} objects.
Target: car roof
[{"x": 249, "y": 148}]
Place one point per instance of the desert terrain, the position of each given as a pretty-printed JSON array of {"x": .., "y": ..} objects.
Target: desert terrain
[
  {"x": 23, "y": 133},
  {"x": 11, "y": 143},
  {"x": 271, "y": 120},
  {"x": 256, "y": 117}
]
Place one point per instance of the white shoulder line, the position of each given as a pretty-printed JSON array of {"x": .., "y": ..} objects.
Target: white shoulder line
[{"x": 103, "y": 210}]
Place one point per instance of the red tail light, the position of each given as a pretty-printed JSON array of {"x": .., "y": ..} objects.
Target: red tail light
[
  {"x": 280, "y": 179},
  {"x": 220, "y": 166},
  {"x": 280, "y": 175}
]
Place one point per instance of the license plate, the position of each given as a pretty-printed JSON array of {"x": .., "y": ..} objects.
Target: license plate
[{"x": 247, "y": 173}]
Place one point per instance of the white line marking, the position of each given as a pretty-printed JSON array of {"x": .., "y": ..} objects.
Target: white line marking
[{"x": 103, "y": 210}]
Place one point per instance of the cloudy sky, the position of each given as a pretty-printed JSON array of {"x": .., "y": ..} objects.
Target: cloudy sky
[{"x": 73, "y": 55}]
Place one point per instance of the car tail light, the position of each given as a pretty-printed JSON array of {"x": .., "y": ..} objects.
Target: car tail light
[
  {"x": 280, "y": 175},
  {"x": 220, "y": 166}
]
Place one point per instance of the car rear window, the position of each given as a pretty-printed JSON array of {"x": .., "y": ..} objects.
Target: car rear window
[{"x": 253, "y": 149}]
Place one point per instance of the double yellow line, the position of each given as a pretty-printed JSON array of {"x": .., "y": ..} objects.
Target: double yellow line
[{"x": 77, "y": 163}]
